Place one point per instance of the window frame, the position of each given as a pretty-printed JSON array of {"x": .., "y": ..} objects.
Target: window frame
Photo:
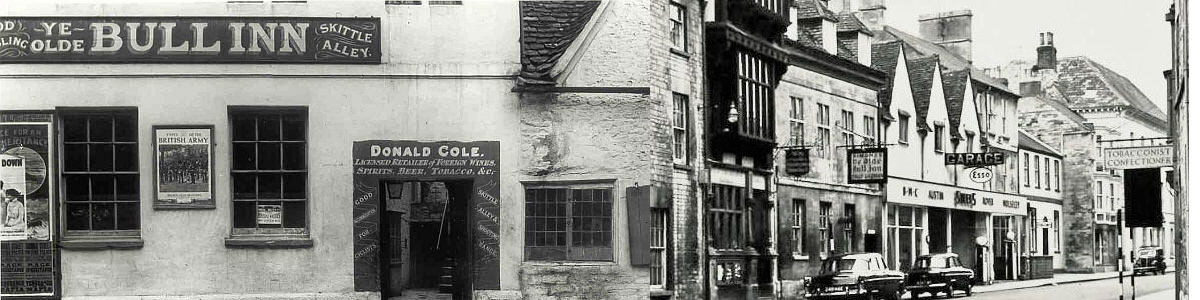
[
  {"x": 1026, "y": 165},
  {"x": 1046, "y": 170},
  {"x": 677, "y": 9},
  {"x": 681, "y": 150},
  {"x": 237, "y": 233},
  {"x": 796, "y": 121},
  {"x": 660, "y": 241},
  {"x": 568, "y": 216},
  {"x": 824, "y": 132},
  {"x": 1057, "y": 177},
  {"x": 825, "y": 227},
  {"x": 91, "y": 238},
  {"x": 1037, "y": 172},
  {"x": 869, "y": 136},
  {"x": 799, "y": 212},
  {"x": 939, "y": 138},
  {"x": 902, "y": 128},
  {"x": 847, "y": 127}
]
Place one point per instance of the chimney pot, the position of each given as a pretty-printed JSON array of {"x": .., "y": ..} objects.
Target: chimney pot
[{"x": 1047, "y": 55}]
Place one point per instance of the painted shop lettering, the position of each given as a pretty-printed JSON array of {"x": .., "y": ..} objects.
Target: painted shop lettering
[
  {"x": 252, "y": 38},
  {"x": 966, "y": 199}
]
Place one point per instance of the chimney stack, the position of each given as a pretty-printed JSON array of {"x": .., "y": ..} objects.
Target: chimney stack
[
  {"x": 1047, "y": 55},
  {"x": 871, "y": 13},
  {"x": 949, "y": 29}
]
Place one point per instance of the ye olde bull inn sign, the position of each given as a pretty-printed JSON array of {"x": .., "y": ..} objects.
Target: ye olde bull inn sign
[{"x": 190, "y": 40}]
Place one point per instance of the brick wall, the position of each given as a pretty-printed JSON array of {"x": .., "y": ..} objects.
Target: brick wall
[{"x": 556, "y": 281}]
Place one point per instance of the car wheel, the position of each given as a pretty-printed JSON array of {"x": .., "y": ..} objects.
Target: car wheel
[
  {"x": 969, "y": 290},
  {"x": 897, "y": 294},
  {"x": 915, "y": 295}
]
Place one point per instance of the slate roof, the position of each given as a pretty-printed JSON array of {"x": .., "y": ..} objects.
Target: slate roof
[
  {"x": 1054, "y": 99},
  {"x": 1024, "y": 141},
  {"x": 849, "y": 22},
  {"x": 954, "y": 84},
  {"x": 808, "y": 9},
  {"x": 921, "y": 73},
  {"x": 921, "y": 47},
  {"x": 1079, "y": 74},
  {"x": 547, "y": 30},
  {"x": 807, "y": 40},
  {"x": 884, "y": 57}
]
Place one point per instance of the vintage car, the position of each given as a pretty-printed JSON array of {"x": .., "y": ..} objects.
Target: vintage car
[
  {"x": 939, "y": 273},
  {"x": 855, "y": 276},
  {"x": 1149, "y": 260}
]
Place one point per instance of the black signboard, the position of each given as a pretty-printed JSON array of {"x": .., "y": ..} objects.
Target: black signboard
[
  {"x": 975, "y": 159},
  {"x": 476, "y": 162},
  {"x": 190, "y": 40},
  {"x": 867, "y": 165},
  {"x": 796, "y": 162},
  {"x": 1143, "y": 198}
]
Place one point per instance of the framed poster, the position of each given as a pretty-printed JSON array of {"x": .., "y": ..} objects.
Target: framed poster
[{"x": 183, "y": 167}]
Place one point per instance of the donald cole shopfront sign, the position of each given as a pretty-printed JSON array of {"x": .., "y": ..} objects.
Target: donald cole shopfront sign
[{"x": 190, "y": 40}]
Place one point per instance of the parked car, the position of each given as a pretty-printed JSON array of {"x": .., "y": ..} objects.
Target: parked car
[
  {"x": 855, "y": 276},
  {"x": 939, "y": 273},
  {"x": 1149, "y": 260}
]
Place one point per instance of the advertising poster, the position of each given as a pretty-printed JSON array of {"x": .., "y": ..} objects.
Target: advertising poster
[
  {"x": 270, "y": 214},
  {"x": 183, "y": 164},
  {"x": 13, "y": 221}
]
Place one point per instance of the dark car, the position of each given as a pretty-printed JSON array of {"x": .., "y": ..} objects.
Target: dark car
[
  {"x": 1150, "y": 260},
  {"x": 855, "y": 276},
  {"x": 939, "y": 273}
]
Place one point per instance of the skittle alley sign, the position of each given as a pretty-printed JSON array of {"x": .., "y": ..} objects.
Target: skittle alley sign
[{"x": 190, "y": 40}]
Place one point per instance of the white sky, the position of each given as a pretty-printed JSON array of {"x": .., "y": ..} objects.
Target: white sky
[{"x": 1130, "y": 37}]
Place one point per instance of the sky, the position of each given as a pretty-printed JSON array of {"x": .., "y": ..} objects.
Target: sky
[{"x": 1130, "y": 37}]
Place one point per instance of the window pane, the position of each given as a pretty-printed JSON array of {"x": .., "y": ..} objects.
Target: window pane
[
  {"x": 75, "y": 158},
  {"x": 77, "y": 216},
  {"x": 293, "y": 214},
  {"x": 243, "y": 129},
  {"x": 126, "y": 128},
  {"x": 244, "y": 214},
  {"x": 268, "y": 156},
  {"x": 103, "y": 216},
  {"x": 74, "y": 129},
  {"x": 293, "y": 128},
  {"x": 244, "y": 186},
  {"x": 268, "y": 186},
  {"x": 100, "y": 129},
  {"x": 127, "y": 187},
  {"x": 101, "y": 157},
  {"x": 103, "y": 188},
  {"x": 127, "y": 216},
  {"x": 268, "y": 128},
  {"x": 243, "y": 156},
  {"x": 293, "y": 156},
  {"x": 76, "y": 187},
  {"x": 293, "y": 186},
  {"x": 126, "y": 157}
]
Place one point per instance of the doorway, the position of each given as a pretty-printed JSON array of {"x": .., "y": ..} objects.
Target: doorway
[{"x": 425, "y": 240}]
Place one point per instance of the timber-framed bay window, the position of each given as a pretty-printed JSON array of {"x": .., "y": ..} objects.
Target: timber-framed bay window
[
  {"x": 568, "y": 221},
  {"x": 101, "y": 185},
  {"x": 727, "y": 218},
  {"x": 755, "y": 94},
  {"x": 269, "y": 173}
]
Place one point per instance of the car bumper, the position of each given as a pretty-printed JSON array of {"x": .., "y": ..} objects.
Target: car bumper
[
  {"x": 930, "y": 286},
  {"x": 850, "y": 294}
]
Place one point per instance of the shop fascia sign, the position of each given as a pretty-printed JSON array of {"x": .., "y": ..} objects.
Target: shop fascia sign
[
  {"x": 975, "y": 159},
  {"x": 190, "y": 39},
  {"x": 1139, "y": 157},
  {"x": 923, "y": 193}
]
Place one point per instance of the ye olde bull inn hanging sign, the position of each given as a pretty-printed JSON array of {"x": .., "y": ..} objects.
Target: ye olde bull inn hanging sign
[{"x": 190, "y": 40}]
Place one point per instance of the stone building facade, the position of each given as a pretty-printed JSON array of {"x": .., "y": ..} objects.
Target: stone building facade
[{"x": 549, "y": 98}]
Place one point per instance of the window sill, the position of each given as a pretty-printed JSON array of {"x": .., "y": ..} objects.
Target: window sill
[
  {"x": 659, "y": 292},
  {"x": 105, "y": 243},
  {"x": 680, "y": 53},
  {"x": 796, "y": 256},
  {"x": 268, "y": 242},
  {"x": 685, "y": 167}
]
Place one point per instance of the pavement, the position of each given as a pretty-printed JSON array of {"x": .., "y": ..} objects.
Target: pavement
[{"x": 1059, "y": 278}]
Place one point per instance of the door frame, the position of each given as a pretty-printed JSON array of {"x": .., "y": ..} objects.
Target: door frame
[{"x": 467, "y": 287}]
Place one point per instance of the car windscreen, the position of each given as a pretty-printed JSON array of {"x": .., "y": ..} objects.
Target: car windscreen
[
  {"x": 840, "y": 265},
  {"x": 930, "y": 262}
]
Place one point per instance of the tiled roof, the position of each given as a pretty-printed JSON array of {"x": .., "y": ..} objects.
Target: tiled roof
[
  {"x": 1079, "y": 74},
  {"x": 921, "y": 73},
  {"x": 547, "y": 30},
  {"x": 884, "y": 57},
  {"x": 807, "y": 40},
  {"x": 808, "y": 9},
  {"x": 849, "y": 22},
  {"x": 1024, "y": 141},
  {"x": 921, "y": 47},
  {"x": 1054, "y": 98},
  {"x": 954, "y": 84}
]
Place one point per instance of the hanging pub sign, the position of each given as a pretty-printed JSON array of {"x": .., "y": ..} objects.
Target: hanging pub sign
[
  {"x": 867, "y": 165},
  {"x": 1139, "y": 157},
  {"x": 975, "y": 159},
  {"x": 190, "y": 40},
  {"x": 796, "y": 162},
  {"x": 183, "y": 167}
]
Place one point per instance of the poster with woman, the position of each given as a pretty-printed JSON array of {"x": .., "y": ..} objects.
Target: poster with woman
[
  {"x": 13, "y": 214},
  {"x": 183, "y": 167}
]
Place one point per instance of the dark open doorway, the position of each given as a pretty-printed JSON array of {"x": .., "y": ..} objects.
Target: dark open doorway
[{"x": 425, "y": 240}]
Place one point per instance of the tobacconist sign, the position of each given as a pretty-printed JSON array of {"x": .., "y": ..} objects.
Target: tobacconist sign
[
  {"x": 975, "y": 159},
  {"x": 1139, "y": 157},
  {"x": 867, "y": 165},
  {"x": 190, "y": 40}
]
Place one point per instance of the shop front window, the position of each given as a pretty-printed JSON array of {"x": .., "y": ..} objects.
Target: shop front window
[
  {"x": 568, "y": 223},
  {"x": 906, "y": 235}
]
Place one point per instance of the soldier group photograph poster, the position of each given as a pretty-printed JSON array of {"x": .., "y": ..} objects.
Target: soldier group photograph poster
[{"x": 183, "y": 164}]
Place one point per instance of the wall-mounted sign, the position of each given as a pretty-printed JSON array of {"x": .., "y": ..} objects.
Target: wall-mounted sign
[
  {"x": 796, "y": 162},
  {"x": 923, "y": 193},
  {"x": 981, "y": 175},
  {"x": 183, "y": 165},
  {"x": 190, "y": 40},
  {"x": 1139, "y": 157},
  {"x": 975, "y": 159},
  {"x": 868, "y": 165},
  {"x": 270, "y": 214}
]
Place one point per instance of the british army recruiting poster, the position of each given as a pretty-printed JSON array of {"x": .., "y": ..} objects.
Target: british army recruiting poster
[{"x": 183, "y": 167}]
